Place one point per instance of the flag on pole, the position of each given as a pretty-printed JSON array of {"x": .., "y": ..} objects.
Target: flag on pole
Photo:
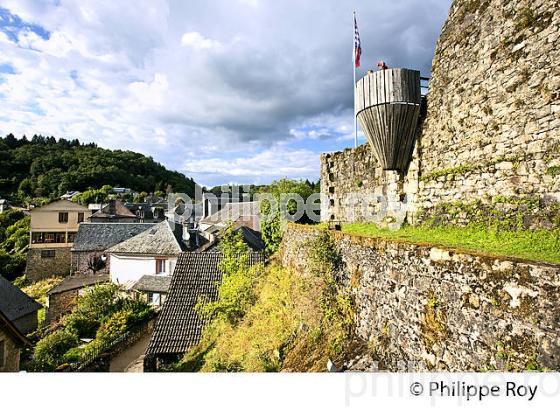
[{"x": 357, "y": 44}]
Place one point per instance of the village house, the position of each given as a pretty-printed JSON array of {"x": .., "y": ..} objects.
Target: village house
[
  {"x": 19, "y": 308},
  {"x": 121, "y": 191},
  {"x": 113, "y": 212},
  {"x": 62, "y": 298},
  {"x": 53, "y": 231},
  {"x": 93, "y": 239},
  {"x": 12, "y": 340},
  {"x": 179, "y": 326},
  {"x": 152, "y": 289},
  {"x": 153, "y": 252},
  {"x": 147, "y": 212},
  {"x": 239, "y": 213}
]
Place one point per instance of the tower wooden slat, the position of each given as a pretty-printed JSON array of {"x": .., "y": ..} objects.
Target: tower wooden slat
[{"x": 388, "y": 108}]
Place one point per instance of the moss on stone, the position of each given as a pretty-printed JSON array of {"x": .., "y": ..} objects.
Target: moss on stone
[
  {"x": 553, "y": 171},
  {"x": 433, "y": 326}
]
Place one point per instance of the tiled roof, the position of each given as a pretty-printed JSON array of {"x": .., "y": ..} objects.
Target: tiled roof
[
  {"x": 78, "y": 282},
  {"x": 153, "y": 283},
  {"x": 178, "y": 327},
  {"x": 14, "y": 303},
  {"x": 114, "y": 209},
  {"x": 101, "y": 236}
]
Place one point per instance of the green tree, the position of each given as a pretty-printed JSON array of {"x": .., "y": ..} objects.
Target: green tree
[
  {"x": 50, "y": 350},
  {"x": 273, "y": 219}
]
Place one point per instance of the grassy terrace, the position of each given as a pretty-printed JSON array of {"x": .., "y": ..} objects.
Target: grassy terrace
[{"x": 539, "y": 245}]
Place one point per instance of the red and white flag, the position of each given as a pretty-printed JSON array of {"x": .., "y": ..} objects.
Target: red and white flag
[{"x": 357, "y": 44}]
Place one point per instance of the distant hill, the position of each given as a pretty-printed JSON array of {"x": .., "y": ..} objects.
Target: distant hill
[{"x": 44, "y": 167}]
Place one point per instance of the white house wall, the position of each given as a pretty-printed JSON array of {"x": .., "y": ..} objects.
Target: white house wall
[{"x": 129, "y": 269}]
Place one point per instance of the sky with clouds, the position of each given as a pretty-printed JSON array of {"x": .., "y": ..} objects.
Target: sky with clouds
[{"x": 243, "y": 91}]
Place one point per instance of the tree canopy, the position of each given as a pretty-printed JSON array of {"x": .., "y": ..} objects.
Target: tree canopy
[{"x": 45, "y": 167}]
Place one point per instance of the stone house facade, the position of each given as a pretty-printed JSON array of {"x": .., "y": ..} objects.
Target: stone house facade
[
  {"x": 53, "y": 230},
  {"x": 11, "y": 342}
]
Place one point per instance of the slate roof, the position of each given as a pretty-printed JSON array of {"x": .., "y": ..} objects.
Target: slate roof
[
  {"x": 78, "y": 282},
  {"x": 153, "y": 283},
  {"x": 101, "y": 236},
  {"x": 160, "y": 239},
  {"x": 114, "y": 209},
  {"x": 178, "y": 327},
  {"x": 14, "y": 303}
]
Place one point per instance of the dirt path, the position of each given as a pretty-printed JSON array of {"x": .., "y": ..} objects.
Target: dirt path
[{"x": 131, "y": 360}]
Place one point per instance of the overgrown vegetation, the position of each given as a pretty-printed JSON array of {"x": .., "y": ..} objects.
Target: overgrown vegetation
[
  {"x": 45, "y": 168},
  {"x": 543, "y": 245},
  {"x": 102, "y": 313},
  {"x": 14, "y": 239},
  {"x": 433, "y": 326},
  {"x": 38, "y": 291},
  {"x": 514, "y": 213},
  {"x": 236, "y": 291},
  {"x": 288, "y": 322}
]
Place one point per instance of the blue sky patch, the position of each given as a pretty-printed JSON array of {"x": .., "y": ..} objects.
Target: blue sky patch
[
  {"x": 12, "y": 24},
  {"x": 7, "y": 69}
]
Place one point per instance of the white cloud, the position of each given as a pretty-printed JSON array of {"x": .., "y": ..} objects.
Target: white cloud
[
  {"x": 198, "y": 41},
  {"x": 274, "y": 163},
  {"x": 264, "y": 88}
]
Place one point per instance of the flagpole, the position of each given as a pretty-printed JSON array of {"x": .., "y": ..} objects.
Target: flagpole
[{"x": 354, "y": 83}]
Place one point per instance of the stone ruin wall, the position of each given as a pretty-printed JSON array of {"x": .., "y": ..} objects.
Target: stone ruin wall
[{"x": 493, "y": 120}]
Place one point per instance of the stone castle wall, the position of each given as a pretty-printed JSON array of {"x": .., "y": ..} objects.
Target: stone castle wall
[
  {"x": 425, "y": 307},
  {"x": 493, "y": 120},
  {"x": 493, "y": 123},
  {"x": 358, "y": 189}
]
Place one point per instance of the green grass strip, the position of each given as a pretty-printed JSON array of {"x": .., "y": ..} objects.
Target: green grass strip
[{"x": 538, "y": 245}]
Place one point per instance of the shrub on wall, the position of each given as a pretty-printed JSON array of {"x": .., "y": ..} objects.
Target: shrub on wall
[
  {"x": 290, "y": 322},
  {"x": 236, "y": 289},
  {"x": 93, "y": 308},
  {"x": 50, "y": 350}
]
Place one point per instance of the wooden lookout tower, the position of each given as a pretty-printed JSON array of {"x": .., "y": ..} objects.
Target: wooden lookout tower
[{"x": 387, "y": 107}]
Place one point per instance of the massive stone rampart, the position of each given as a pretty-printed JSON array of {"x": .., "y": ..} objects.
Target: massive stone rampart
[{"x": 423, "y": 306}]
